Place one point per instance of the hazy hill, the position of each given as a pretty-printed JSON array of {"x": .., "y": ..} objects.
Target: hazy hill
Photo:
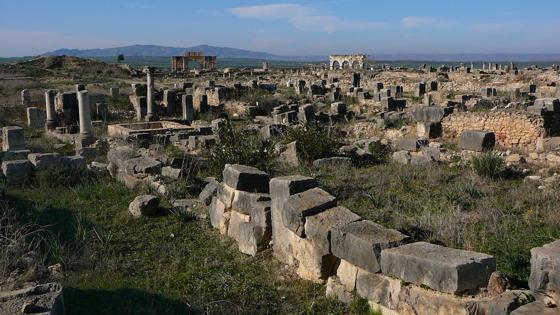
[{"x": 163, "y": 51}]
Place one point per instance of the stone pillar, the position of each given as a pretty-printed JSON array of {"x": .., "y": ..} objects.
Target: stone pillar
[
  {"x": 188, "y": 108},
  {"x": 51, "y": 122},
  {"x": 12, "y": 138},
  {"x": 25, "y": 97},
  {"x": 149, "y": 94},
  {"x": 86, "y": 128}
]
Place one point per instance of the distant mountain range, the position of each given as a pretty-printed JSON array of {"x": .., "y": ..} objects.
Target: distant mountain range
[
  {"x": 227, "y": 52},
  {"x": 163, "y": 51}
]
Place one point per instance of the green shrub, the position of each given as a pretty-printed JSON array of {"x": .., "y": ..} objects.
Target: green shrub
[
  {"x": 395, "y": 122},
  {"x": 487, "y": 164},
  {"x": 238, "y": 146},
  {"x": 313, "y": 143},
  {"x": 65, "y": 176}
]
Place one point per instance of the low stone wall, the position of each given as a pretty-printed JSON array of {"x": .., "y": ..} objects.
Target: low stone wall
[
  {"x": 356, "y": 257},
  {"x": 241, "y": 208},
  {"x": 512, "y": 129}
]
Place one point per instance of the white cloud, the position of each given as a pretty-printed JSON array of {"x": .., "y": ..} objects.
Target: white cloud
[
  {"x": 304, "y": 18},
  {"x": 270, "y": 11},
  {"x": 422, "y": 22}
]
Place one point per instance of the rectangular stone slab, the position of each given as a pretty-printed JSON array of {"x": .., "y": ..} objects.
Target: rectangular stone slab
[
  {"x": 246, "y": 178},
  {"x": 299, "y": 206},
  {"x": 545, "y": 267},
  {"x": 440, "y": 268},
  {"x": 361, "y": 243},
  {"x": 318, "y": 227}
]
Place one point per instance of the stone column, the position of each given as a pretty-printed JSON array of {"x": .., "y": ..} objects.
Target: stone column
[
  {"x": 188, "y": 109},
  {"x": 86, "y": 128},
  {"x": 149, "y": 94},
  {"x": 50, "y": 96}
]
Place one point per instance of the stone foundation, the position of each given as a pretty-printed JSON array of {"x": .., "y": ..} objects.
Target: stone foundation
[{"x": 512, "y": 129}]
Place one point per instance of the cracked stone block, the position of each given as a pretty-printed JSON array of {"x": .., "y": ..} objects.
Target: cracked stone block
[
  {"x": 362, "y": 242},
  {"x": 440, "y": 268}
]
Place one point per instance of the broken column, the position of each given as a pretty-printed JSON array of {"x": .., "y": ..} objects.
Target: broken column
[
  {"x": 149, "y": 94},
  {"x": 50, "y": 96},
  {"x": 86, "y": 128},
  {"x": 25, "y": 97}
]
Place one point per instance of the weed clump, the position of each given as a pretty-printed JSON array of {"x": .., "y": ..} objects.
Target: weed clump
[
  {"x": 238, "y": 146},
  {"x": 487, "y": 164},
  {"x": 313, "y": 143}
]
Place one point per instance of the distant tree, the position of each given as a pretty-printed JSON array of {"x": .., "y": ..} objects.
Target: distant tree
[{"x": 120, "y": 58}]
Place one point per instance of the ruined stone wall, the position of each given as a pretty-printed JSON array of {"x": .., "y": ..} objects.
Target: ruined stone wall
[{"x": 512, "y": 129}]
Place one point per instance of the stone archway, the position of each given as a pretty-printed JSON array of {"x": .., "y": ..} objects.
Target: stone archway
[
  {"x": 335, "y": 65},
  {"x": 355, "y": 62}
]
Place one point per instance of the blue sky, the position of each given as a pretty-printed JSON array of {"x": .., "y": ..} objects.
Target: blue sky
[{"x": 29, "y": 27}]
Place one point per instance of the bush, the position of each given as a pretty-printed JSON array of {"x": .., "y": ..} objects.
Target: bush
[
  {"x": 487, "y": 164},
  {"x": 313, "y": 143},
  {"x": 239, "y": 147},
  {"x": 395, "y": 122},
  {"x": 65, "y": 176}
]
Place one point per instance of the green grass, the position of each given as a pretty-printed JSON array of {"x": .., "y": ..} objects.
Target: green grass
[
  {"x": 115, "y": 264},
  {"x": 454, "y": 207}
]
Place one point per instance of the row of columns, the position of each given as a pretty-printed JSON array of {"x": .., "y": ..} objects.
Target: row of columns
[{"x": 86, "y": 127}]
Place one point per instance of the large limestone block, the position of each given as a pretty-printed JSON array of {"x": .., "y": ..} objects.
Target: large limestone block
[
  {"x": 12, "y": 138},
  {"x": 347, "y": 275},
  {"x": 313, "y": 264},
  {"x": 378, "y": 288},
  {"x": 225, "y": 194},
  {"x": 235, "y": 221},
  {"x": 477, "y": 140},
  {"x": 261, "y": 215},
  {"x": 219, "y": 217},
  {"x": 419, "y": 301},
  {"x": 304, "y": 204},
  {"x": 509, "y": 301},
  {"x": 119, "y": 155},
  {"x": 440, "y": 268},
  {"x": 545, "y": 267},
  {"x": 251, "y": 238},
  {"x": 143, "y": 165},
  {"x": 17, "y": 172},
  {"x": 318, "y": 227},
  {"x": 42, "y": 161},
  {"x": 335, "y": 289},
  {"x": 361, "y": 243},
  {"x": 244, "y": 201},
  {"x": 246, "y": 178},
  {"x": 428, "y": 114},
  {"x": 208, "y": 192},
  {"x": 280, "y": 189}
]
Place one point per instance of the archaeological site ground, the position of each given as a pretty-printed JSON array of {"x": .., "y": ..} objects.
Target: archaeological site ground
[{"x": 195, "y": 184}]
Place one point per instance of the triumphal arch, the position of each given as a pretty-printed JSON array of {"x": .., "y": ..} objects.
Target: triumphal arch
[{"x": 181, "y": 63}]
